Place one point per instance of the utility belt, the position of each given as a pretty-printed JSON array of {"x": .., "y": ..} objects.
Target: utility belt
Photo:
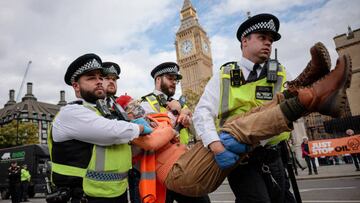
[
  {"x": 64, "y": 194},
  {"x": 263, "y": 155}
]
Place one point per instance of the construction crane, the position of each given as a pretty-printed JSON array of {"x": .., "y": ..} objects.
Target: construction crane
[{"x": 23, "y": 81}]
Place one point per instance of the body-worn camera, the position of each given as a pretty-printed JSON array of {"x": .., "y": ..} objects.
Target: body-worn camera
[
  {"x": 161, "y": 99},
  {"x": 236, "y": 76}
]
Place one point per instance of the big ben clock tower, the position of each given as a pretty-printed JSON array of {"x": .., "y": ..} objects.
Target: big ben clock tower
[{"x": 193, "y": 51}]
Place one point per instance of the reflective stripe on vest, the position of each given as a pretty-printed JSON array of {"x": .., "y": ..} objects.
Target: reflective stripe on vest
[
  {"x": 237, "y": 100},
  {"x": 103, "y": 177},
  {"x": 147, "y": 184},
  {"x": 155, "y": 104}
]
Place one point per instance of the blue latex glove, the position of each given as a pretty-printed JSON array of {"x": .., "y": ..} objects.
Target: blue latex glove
[
  {"x": 143, "y": 122},
  {"x": 231, "y": 144},
  {"x": 226, "y": 159}
]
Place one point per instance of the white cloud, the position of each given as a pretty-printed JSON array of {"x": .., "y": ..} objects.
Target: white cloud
[
  {"x": 53, "y": 33},
  {"x": 299, "y": 33}
]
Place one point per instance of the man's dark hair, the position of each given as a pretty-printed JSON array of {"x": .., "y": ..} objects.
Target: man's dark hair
[{"x": 248, "y": 37}]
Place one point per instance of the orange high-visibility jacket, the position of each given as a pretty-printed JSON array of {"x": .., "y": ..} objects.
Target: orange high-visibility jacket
[{"x": 160, "y": 153}]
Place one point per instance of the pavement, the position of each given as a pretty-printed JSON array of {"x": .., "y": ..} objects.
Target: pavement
[
  {"x": 326, "y": 171},
  {"x": 330, "y": 171}
]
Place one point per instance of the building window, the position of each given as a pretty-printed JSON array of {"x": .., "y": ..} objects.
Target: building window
[
  {"x": 44, "y": 134},
  {"x": 43, "y": 124},
  {"x": 35, "y": 115}
]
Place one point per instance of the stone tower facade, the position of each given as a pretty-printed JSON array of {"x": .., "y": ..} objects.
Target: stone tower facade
[
  {"x": 193, "y": 51},
  {"x": 350, "y": 43}
]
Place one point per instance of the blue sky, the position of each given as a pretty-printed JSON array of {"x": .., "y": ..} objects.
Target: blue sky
[{"x": 140, "y": 34}]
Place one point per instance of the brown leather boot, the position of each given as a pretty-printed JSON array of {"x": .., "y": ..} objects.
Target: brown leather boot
[
  {"x": 328, "y": 95},
  {"x": 318, "y": 67}
]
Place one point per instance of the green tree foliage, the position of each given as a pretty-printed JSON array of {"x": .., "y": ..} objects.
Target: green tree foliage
[
  {"x": 18, "y": 133},
  {"x": 192, "y": 98}
]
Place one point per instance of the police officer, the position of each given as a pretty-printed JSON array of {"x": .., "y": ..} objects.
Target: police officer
[
  {"x": 111, "y": 75},
  {"x": 166, "y": 76},
  {"x": 25, "y": 180},
  {"x": 90, "y": 155},
  {"x": 248, "y": 87},
  {"x": 14, "y": 182}
]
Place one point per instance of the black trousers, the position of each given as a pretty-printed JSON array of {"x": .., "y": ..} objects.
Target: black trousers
[
  {"x": 310, "y": 161},
  {"x": 24, "y": 190},
  {"x": 134, "y": 179},
  {"x": 15, "y": 189},
  {"x": 250, "y": 185},
  {"x": 171, "y": 196},
  {"x": 121, "y": 199},
  {"x": 356, "y": 159}
]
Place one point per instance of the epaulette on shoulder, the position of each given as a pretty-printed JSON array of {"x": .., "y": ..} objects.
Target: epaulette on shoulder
[
  {"x": 79, "y": 102},
  {"x": 228, "y": 64},
  {"x": 143, "y": 98}
]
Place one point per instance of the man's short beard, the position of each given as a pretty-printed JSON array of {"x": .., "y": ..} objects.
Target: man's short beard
[
  {"x": 165, "y": 89},
  {"x": 110, "y": 93},
  {"x": 90, "y": 96}
]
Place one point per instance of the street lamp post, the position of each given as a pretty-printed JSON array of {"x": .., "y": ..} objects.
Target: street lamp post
[
  {"x": 17, "y": 125},
  {"x": 17, "y": 130}
]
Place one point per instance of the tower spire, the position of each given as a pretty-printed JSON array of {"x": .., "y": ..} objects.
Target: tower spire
[
  {"x": 187, "y": 4},
  {"x": 193, "y": 51},
  {"x": 188, "y": 16}
]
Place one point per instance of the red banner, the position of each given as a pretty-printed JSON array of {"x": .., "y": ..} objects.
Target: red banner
[{"x": 331, "y": 147}]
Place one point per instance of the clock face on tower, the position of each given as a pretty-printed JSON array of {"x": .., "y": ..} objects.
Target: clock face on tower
[
  {"x": 186, "y": 46},
  {"x": 205, "y": 46}
]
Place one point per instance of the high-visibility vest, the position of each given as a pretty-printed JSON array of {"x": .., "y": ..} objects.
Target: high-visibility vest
[
  {"x": 152, "y": 190},
  {"x": 107, "y": 171},
  {"x": 25, "y": 175},
  {"x": 152, "y": 100},
  {"x": 236, "y": 100}
]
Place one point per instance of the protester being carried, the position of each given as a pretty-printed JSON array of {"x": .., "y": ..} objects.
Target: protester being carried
[{"x": 195, "y": 172}]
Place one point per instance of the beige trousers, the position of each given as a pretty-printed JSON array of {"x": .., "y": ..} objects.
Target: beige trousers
[
  {"x": 196, "y": 173},
  {"x": 259, "y": 123}
]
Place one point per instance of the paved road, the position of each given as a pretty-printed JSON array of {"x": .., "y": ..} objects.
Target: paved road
[
  {"x": 331, "y": 190},
  {"x": 335, "y": 190},
  {"x": 328, "y": 190}
]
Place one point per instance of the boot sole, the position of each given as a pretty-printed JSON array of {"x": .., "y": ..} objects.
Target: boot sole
[
  {"x": 323, "y": 54},
  {"x": 337, "y": 101}
]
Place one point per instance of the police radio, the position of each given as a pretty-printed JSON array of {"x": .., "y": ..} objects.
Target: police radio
[
  {"x": 120, "y": 112},
  {"x": 272, "y": 69},
  {"x": 103, "y": 108}
]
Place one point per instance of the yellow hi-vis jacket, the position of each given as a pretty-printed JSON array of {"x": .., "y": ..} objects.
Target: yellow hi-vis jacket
[
  {"x": 107, "y": 171},
  {"x": 184, "y": 132},
  {"x": 25, "y": 175},
  {"x": 236, "y": 100}
]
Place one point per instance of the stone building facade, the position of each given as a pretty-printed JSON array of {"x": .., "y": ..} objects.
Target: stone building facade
[
  {"x": 193, "y": 51},
  {"x": 31, "y": 110}
]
